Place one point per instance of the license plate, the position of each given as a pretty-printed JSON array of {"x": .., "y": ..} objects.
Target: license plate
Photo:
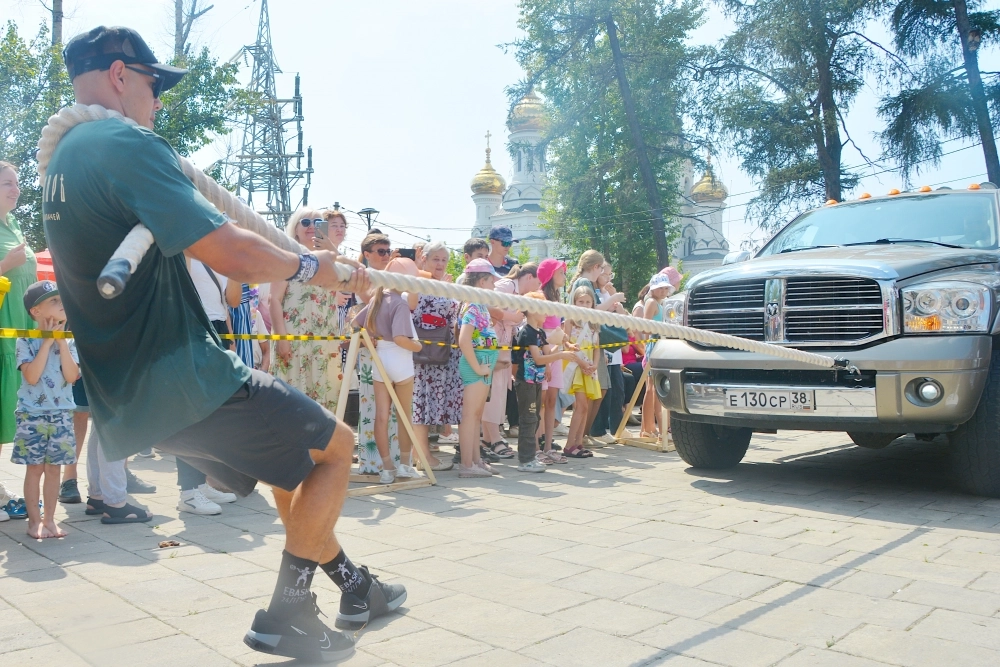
[{"x": 768, "y": 400}]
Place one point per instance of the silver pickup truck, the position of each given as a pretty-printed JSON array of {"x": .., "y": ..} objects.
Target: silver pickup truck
[{"x": 905, "y": 286}]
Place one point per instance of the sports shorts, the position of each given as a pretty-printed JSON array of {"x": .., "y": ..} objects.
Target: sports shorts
[
  {"x": 80, "y": 397},
  {"x": 262, "y": 433}
]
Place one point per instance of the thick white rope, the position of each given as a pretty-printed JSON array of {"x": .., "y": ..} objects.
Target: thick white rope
[{"x": 139, "y": 240}]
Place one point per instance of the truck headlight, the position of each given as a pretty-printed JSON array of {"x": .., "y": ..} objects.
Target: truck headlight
[
  {"x": 673, "y": 308},
  {"x": 946, "y": 307}
]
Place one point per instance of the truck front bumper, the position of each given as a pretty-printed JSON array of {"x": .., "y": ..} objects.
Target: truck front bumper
[{"x": 684, "y": 377}]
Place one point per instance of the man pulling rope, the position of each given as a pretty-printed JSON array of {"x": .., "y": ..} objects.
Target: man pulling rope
[{"x": 151, "y": 362}]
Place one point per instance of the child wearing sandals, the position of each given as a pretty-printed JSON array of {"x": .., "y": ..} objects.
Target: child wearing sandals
[
  {"x": 581, "y": 373},
  {"x": 388, "y": 320},
  {"x": 477, "y": 341},
  {"x": 44, "y": 438},
  {"x": 529, "y": 374}
]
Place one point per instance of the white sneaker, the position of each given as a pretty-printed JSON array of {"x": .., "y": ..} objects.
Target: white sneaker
[
  {"x": 534, "y": 465},
  {"x": 473, "y": 471},
  {"x": 387, "y": 476},
  {"x": 216, "y": 496},
  {"x": 195, "y": 502},
  {"x": 607, "y": 439},
  {"x": 486, "y": 466},
  {"x": 4, "y": 516},
  {"x": 448, "y": 439},
  {"x": 560, "y": 430},
  {"x": 403, "y": 470}
]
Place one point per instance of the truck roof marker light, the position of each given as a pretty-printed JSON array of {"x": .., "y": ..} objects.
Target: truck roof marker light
[
  {"x": 831, "y": 202},
  {"x": 893, "y": 192},
  {"x": 865, "y": 195},
  {"x": 974, "y": 186},
  {"x": 925, "y": 188}
]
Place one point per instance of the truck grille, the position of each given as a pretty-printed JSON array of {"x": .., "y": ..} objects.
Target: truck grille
[{"x": 811, "y": 310}]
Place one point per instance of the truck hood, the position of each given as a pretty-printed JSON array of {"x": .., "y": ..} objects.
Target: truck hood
[{"x": 880, "y": 262}]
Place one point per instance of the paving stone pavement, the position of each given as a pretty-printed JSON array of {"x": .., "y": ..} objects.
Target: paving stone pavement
[{"x": 811, "y": 552}]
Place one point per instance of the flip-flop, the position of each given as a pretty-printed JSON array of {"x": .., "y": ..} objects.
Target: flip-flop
[{"x": 121, "y": 514}]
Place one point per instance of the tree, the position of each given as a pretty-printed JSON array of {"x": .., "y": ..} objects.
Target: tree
[
  {"x": 776, "y": 93},
  {"x": 942, "y": 96},
  {"x": 184, "y": 18},
  {"x": 35, "y": 86},
  {"x": 614, "y": 77}
]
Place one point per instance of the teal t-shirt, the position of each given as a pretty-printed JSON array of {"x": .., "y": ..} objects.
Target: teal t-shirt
[{"x": 150, "y": 358}]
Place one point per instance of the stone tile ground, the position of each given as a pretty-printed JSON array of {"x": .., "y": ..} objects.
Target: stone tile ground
[{"x": 811, "y": 552}]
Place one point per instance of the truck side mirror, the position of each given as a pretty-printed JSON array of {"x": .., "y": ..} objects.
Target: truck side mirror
[{"x": 736, "y": 256}]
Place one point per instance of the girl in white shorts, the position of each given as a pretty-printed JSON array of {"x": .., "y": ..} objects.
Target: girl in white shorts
[{"x": 388, "y": 321}]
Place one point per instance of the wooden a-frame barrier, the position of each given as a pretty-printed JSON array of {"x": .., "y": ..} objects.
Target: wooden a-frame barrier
[
  {"x": 372, "y": 487},
  {"x": 661, "y": 444}
]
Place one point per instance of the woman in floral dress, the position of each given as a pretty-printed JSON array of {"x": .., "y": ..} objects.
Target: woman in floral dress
[
  {"x": 313, "y": 367},
  {"x": 437, "y": 390}
]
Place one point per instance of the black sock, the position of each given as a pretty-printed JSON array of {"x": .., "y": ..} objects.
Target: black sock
[
  {"x": 346, "y": 576},
  {"x": 291, "y": 592}
]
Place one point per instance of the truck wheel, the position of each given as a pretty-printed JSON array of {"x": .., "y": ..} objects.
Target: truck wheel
[
  {"x": 709, "y": 445},
  {"x": 975, "y": 446},
  {"x": 873, "y": 440}
]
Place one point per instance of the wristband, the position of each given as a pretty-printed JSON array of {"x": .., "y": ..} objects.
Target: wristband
[{"x": 308, "y": 266}]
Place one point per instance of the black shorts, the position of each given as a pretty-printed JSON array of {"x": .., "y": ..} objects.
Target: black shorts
[
  {"x": 222, "y": 328},
  {"x": 80, "y": 396},
  {"x": 264, "y": 432}
]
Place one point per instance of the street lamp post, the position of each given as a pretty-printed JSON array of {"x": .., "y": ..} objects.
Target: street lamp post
[{"x": 368, "y": 214}]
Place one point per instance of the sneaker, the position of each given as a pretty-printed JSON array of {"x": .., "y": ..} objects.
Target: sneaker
[
  {"x": 15, "y": 509},
  {"x": 473, "y": 471},
  {"x": 387, "y": 477},
  {"x": 403, "y": 470},
  {"x": 443, "y": 465},
  {"x": 560, "y": 430},
  {"x": 69, "y": 493},
  {"x": 195, "y": 502},
  {"x": 214, "y": 495},
  {"x": 356, "y": 612},
  {"x": 487, "y": 467},
  {"x": 146, "y": 454},
  {"x": 302, "y": 636},
  {"x": 513, "y": 431},
  {"x": 448, "y": 439},
  {"x": 591, "y": 441},
  {"x": 534, "y": 465},
  {"x": 607, "y": 439},
  {"x": 136, "y": 485}
]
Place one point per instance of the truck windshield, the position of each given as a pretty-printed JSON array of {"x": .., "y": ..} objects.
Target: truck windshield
[{"x": 967, "y": 220}]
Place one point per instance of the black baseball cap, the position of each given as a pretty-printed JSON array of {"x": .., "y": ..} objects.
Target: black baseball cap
[
  {"x": 99, "y": 48},
  {"x": 38, "y": 292}
]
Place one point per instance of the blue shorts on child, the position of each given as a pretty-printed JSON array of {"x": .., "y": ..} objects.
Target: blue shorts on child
[{"x": 44, "y": 437}]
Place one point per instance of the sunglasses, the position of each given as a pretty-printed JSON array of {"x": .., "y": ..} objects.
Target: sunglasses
[
  {"x": 382, "y": 252},
  {"x": 158, "y": 81},
  {"x": 506, "y": 244},
  {"x": 308, "y": 222}
]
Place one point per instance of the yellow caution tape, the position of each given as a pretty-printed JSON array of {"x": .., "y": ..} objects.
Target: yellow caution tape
[{"x": 39, "y": 333}]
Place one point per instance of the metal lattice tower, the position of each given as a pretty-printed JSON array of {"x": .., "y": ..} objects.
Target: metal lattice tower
[{"x": 266, "y": 176}]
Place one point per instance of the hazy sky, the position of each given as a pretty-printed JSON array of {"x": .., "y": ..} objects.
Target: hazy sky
[{"x": 398, "y": 96}]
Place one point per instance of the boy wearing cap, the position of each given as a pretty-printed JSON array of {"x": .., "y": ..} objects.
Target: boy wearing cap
[
  {"x": 501, "y": 239},
  {"x": 44, "y": 438}
]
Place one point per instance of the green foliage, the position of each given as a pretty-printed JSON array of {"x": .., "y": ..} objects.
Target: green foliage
[
  {"x": 205, "y": 103},
  {"x": 595, "y": 196},
  {"x": 456, "y": 263},
  {"x": 776, "y": 91},
  {"x": 523, "y": 254},
  {"x": 35, "y": 85},
  {"x": 934, "y": 98}
]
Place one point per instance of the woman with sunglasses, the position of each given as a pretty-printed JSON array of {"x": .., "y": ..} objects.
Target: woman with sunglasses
[
  {"x": 312, "y": 367},
  {"x": 376, "y": 253}
]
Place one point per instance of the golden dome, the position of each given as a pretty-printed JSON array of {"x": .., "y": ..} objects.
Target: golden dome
[
  {"x": 708, "y": 189},
  {"x": 528, "y": 114},
  {"x": 488, "y": 181}
]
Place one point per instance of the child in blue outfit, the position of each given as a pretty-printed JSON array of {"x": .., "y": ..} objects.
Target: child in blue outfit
[{"x": 44, "y": 438}]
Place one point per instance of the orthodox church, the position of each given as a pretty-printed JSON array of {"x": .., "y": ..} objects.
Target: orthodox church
[{"x": 701, "y": 245}]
